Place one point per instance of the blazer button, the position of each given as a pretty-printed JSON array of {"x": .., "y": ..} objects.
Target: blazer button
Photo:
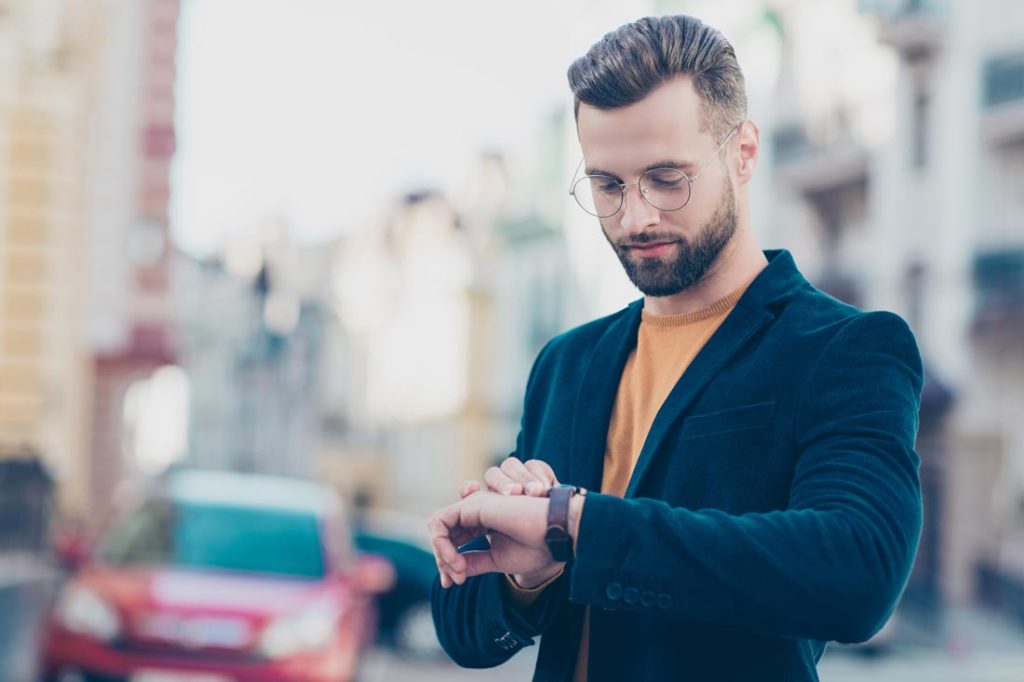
[
  {"x": 507, "y": 642},
  {"x": 647, "y": 599},
  {"x": 631, "y": 595},
  {"x": 664, "y": 602},
  {"x": 613, "y": 591}
]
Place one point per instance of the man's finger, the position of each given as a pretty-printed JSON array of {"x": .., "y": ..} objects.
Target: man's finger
[
  {"x": 460, "y": 536},
  {"x": 500, "y": 482},
  {"x": 445, "y": 551},
  {"x": 449, "y": 528},
  {"x": 446, "y": 582},
  {"x": 468, "y": 488},
  {"x": 544, "y": 474},
  {"x": 477, "y": 563},
  {"x": 519, "y": 473},
  {"x": 449, "y": 558},
  {"x": 445, "y": 569}
]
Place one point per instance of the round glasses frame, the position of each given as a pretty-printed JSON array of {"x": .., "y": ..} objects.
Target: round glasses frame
[{"x": 585, "y": 183}]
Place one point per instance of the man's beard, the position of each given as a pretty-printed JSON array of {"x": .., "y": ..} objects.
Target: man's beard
[{"x": 660, "y": 277}]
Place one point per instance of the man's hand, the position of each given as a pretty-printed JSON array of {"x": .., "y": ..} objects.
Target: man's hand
[
  {"x": 515, "y": 477},
  {"x": 515, "y": 526}
]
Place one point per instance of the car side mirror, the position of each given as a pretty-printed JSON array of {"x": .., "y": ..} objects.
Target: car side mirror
[
  {"x": 373, "y": 574},
  {"x": 71, "y": 550}
]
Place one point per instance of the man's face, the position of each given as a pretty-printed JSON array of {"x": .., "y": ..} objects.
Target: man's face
[{"x": 663, "y": 252}]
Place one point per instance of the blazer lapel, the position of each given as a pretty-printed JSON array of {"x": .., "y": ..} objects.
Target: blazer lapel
[
  {"x": 751, "y": 314},
  {"x": 734, "y": 332},
  {"x": 596, "y": 399}
]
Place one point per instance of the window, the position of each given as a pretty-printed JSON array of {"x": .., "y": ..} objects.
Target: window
[
  {"x": 919, "y": 134},
  {"x": 999, "y": 285},
  {"x": 219, "y": 537}
]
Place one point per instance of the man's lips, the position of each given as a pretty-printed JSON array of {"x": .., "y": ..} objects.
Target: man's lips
[{"x": 650, "y": 249}]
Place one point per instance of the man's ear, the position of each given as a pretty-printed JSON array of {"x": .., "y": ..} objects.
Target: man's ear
[{"x": 747, "y": 150}]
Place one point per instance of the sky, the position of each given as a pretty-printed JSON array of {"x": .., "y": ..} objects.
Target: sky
[
  {"x": 320, "y": 112},
  {"x": 323, "y": 112}
]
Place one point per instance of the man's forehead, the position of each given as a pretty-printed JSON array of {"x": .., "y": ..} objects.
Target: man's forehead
[
  {"x": 667, "y": 124},
  {"x": 674, "y": 102}
]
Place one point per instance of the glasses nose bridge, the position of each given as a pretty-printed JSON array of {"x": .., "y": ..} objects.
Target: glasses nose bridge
[{"x": 623, "y": 186}]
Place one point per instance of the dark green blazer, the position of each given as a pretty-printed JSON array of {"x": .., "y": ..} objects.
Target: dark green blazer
[{"x": 775, "y": 505}]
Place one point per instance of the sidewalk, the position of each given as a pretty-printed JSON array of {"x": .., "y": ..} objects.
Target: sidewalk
[
  {"x": 26, "y": 588},
  {"x": 974, "y": 646}
]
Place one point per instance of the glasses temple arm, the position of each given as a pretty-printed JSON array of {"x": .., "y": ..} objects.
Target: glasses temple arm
[
  {"x": 573, "y": 180},
  {"x": 713, "y": 156}
]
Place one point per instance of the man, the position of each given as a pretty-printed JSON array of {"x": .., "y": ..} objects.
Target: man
[{"x": 745, "y": 442}]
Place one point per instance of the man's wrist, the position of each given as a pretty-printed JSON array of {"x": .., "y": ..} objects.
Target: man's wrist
[{"x": 531, "y": 581}]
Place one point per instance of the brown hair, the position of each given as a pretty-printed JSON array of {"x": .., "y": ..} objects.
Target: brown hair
[{"x": 628, "y": 63}]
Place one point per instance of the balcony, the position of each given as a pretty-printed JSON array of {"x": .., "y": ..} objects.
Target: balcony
[
  {"x": 1003, "y": 99},
  {"x": 818, "y": 166},
  {"x": 999, "y": 290},
  {"x": 912, "y": 27},
  {"x": 843, "y": 285}
]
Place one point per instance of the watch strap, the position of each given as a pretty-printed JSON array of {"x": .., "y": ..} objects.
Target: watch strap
[
  {"x": 557, "y": 537},
  {"x": 558, "y": 508}
]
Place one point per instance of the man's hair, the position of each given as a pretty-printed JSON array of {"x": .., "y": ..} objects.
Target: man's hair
[{"x": 628, "y": 63}]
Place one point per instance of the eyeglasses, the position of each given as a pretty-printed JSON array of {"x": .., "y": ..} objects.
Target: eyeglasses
[{"x": 666, "y": 189}]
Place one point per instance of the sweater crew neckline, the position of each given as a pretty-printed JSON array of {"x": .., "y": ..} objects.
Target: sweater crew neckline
[{"x": 722, "y": 305}]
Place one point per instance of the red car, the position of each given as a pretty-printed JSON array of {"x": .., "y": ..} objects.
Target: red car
[{"x": 219, "y": 577}]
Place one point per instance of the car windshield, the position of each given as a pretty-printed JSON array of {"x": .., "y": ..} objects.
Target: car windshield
[{"x": 222, "y": 537}]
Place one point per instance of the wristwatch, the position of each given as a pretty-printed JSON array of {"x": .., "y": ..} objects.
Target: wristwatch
[{"x": 557, "y": 536}]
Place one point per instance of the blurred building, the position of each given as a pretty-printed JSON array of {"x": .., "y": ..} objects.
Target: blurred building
[
  {"x": 441, "y": 314},
  {"x": 413, "y": 316},
  {"x": 899, "y": 184},
  {"x": 128, "y": 254},
  {"x": 537, "y": 294},
  {"x": 86, "y": 133},
  {"x": 251, "y": 325},
  {"x": 49, "y": 63}
]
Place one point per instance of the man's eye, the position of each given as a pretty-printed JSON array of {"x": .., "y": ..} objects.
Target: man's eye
[
  {"x": 666, "y": 179},
  {"x": 606, "y": 186}
]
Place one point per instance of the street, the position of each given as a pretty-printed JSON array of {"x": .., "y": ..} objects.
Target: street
[
  {"x": 26, "y": 586},
  {"x": 973, "y": 646},
  {"x": 913, "y": 666},
  {"x": 384, "y": 666}
]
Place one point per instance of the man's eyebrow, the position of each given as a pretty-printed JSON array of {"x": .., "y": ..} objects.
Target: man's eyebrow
[{"x": 667, "y": 163}]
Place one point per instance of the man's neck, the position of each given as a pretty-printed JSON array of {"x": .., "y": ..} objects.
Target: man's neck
[{"x": 738, "y": 264}]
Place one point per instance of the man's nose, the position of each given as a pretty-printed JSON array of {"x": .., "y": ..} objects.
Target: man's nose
[{"x": 637, "y": 213}]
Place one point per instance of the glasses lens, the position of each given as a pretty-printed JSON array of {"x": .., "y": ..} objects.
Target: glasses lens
[
  {"x": 598, "y": 195},
  {"x": 665, "y": 188}
]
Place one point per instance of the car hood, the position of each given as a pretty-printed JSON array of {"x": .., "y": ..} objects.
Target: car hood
[{"x": 194, "y": 590}]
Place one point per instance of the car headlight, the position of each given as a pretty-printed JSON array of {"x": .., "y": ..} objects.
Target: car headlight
[
  {"x": 306, "y": 630},
  {"x": 81, "y": 610}
]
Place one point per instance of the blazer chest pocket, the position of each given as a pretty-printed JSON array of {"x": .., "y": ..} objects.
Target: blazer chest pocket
[{"x": 742, "y": 418}]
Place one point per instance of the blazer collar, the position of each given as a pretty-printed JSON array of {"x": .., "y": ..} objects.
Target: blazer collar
[
  {"x": 778, "y": 280},
  {"x": 599, "y": 386}
]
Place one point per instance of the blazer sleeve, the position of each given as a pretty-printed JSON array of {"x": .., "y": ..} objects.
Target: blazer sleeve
[
  {"x": 479, "y": 623},
  {"x": 833, "y": 564}
]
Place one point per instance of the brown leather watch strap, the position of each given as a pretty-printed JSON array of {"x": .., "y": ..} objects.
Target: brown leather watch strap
[
  {"x": 558, "y": 508},
  {"x": 557, "y": 536}
]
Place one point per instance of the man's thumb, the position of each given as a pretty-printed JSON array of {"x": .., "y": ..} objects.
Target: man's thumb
[{"x": 478, "y": 563}]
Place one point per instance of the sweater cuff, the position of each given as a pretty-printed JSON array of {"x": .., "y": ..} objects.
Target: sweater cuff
[{"x": 523, "y": 597}]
